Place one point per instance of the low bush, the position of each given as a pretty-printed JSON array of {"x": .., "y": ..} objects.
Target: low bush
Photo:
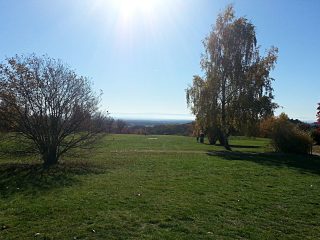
[
  {"x": 266, "y": 126},
  {"x": 286, "y": 137}
]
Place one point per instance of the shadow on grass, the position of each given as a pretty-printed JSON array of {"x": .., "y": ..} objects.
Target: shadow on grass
[
  {"x": 244, "y": 146},
  {"x": 33, "y": 179},
  {"x": 237, "y": 146},
  {"x": 304, "y": 163}
]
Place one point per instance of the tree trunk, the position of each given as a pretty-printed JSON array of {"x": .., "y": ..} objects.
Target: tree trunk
[
  {"x": 223, "y": 139},
  {"x": 223, "y": 133},
  {"x": 50, "y": 156},
  {"x": 212, "y": 140},
  {"x": 212, "y": 135}
]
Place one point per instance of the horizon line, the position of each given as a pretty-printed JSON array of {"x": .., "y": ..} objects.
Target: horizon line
[{"x": 153, "y": 116}]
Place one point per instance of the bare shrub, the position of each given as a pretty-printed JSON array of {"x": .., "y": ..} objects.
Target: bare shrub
[{"x": 46, "y": 102}]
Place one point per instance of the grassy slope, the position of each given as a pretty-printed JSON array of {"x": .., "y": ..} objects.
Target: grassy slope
[{"x": 133, "y": 187}]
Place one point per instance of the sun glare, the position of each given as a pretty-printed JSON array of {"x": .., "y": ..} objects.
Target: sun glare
[
  {"x": 129, "y": 9},
  {"x": 131, "y": 21}
]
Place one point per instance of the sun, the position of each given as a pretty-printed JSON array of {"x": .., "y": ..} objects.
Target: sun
[
  {"x": 131, "y": 22},
  {"x": 130, "y": 9}
]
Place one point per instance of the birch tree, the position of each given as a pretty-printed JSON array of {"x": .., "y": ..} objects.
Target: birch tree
[{"x": 236, "y": 89}]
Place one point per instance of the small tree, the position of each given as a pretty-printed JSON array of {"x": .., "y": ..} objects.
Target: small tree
[
  {"x": 120, "y": 126},
  {"x": 49, "y": 104},
  {"x": 108, "y": 124}
]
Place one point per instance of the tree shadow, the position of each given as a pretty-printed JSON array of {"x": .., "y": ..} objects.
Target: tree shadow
[
  {"x": 237, "y": 146},
  {"x": 244, "y": 146},
  {"x": 303, "y": 163},
  {"x": 33, "y": 179}
]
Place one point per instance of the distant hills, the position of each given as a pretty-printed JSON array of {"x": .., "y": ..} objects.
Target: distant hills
[
  {"x": 152, "y": 119},
  {"x": 155, "y": 122}
]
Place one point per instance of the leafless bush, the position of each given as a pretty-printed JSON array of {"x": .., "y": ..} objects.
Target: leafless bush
[{"x": 45, "y": 101}]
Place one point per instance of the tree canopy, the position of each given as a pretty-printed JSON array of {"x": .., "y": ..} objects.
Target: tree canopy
[
  {"x": 49, "y": 104},
  {"x": 236, "y": 89}
]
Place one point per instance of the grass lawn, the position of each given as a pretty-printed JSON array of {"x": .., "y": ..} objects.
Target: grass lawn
[{"x": 163, "y": 187}]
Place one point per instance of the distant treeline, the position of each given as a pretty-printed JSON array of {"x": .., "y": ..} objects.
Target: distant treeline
[
  {"x": 186, "y": 129},
  {"x": 121, "y": 126},
  {"x": 165, "y": 129},
  {"x": 112, "y": 126}
]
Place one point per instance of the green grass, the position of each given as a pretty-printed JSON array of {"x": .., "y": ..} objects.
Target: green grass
[
  {"x": 176, "y": 143},
  {"x": 163, "y": 187}
]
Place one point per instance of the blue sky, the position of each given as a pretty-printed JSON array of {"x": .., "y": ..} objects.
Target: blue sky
[{"x": 143, "y": 53}]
